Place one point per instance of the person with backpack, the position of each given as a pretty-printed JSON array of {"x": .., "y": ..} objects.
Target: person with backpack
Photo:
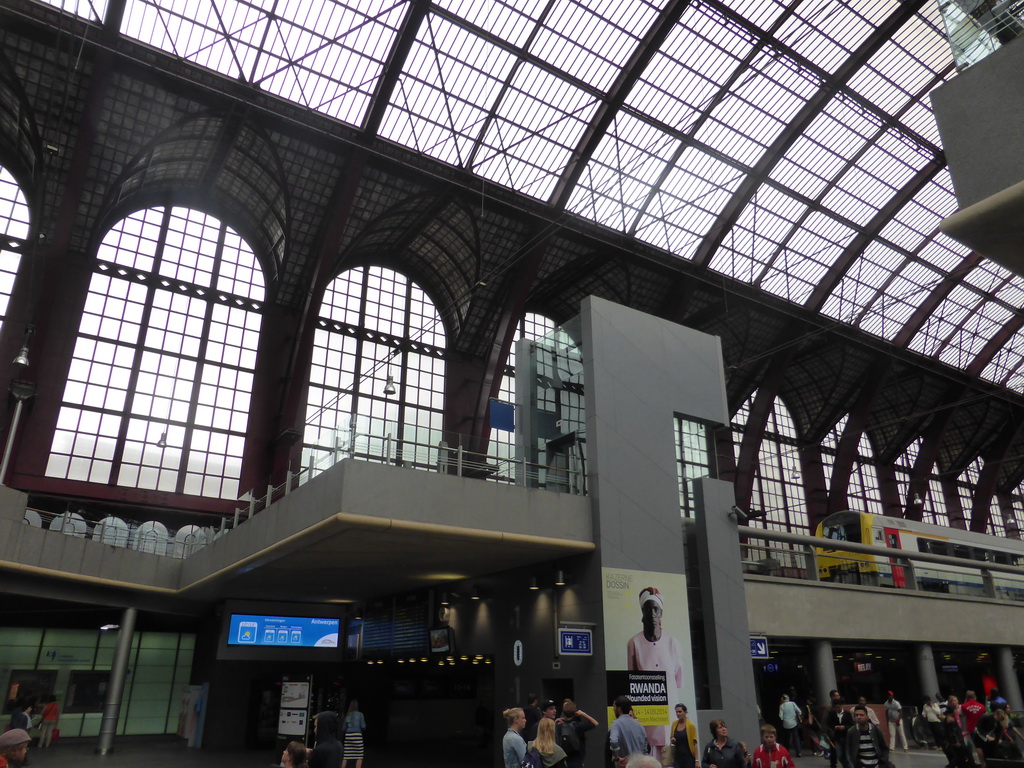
[
  {"x": 571, "y": 729},
  {"x": 551, "y": 755}
]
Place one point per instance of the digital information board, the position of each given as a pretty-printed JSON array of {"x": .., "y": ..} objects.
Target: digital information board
[{"x": 283, "y": 631}]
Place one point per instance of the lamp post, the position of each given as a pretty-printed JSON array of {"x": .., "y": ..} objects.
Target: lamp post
[{"x": 22, "y": 391}]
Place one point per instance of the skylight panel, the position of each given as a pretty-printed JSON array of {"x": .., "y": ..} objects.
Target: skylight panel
[
  {"x": 576, "y": 39},
  {"x": 756, "y": 109},
  {"x": 944, "y": 321},
  {"x": 683, "y": 209},
  {"x": 513, "y": 21},
  {"x": 760, "y": 12},
  {"x": 806, "y": 257},
  {"x": 944, "y": 253},
  {"x": 826, "y": 31},
  {"x": 683, "y": 77},
  {"x": 442, "y": 99},
  {"x": 1012, "y": 292},
  {"x": 869, "y": 273},
  {"x": 968, "y": 340},
  {"x": 920, "y": 119},
  {"x": 904, "y": 66},
  {"x": 326, "y": 56},
  {"x": 754, "y": 241},
  {"x": 1005, "y": 366},
  {"x": 894, "y": 305},
  {"x": 90, "y": 10},
  {"x": 792, "y": 277},
  {"x": 617, "y": 180},
  {"x": 14, "y": 213},
  {"x": 535, "y": 128}
]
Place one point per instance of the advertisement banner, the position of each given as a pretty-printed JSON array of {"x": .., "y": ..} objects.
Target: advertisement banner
[{"x": 647, "y": 646}]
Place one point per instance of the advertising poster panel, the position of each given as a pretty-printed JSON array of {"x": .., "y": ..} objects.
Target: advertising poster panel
[{"x": 647, "y": 646}]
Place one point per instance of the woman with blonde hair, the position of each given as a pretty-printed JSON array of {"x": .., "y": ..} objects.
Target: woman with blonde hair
[
  {"x": 513, "y": 748},
  {"x": 552, "y": 755}
]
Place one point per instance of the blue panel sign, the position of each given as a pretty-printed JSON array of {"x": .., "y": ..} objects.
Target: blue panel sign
[
  {"x": 759, "y": 647},
  {"x": 283, "y": 631},
  {"x": 772, "y": 667},
  {"x": 575, "y": 642}
]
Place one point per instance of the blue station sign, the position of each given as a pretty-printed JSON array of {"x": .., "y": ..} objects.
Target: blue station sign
[{"x": 575, "y": 642}]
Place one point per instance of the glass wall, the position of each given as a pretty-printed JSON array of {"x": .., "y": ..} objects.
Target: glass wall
[{"x": 74, "y": 665}]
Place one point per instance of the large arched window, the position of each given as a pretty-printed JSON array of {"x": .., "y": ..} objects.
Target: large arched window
[
  {"x": 932, "y": 503},
  {"x": 376, "y": 332},
  {"x": 13, "y": 227},
  {"x": 159, "y": 387},
  {"x": 863, "y": 493},
  {"x": 778, "y": 492}
]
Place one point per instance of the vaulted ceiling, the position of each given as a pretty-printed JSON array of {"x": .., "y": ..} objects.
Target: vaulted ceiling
[{"x": 765, "y": 171}]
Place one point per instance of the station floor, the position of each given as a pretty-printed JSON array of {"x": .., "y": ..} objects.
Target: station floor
[{"x": 164, "y": 753}]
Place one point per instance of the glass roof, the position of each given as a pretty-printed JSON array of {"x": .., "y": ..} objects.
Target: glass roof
[{"x": 789, "y": 145}]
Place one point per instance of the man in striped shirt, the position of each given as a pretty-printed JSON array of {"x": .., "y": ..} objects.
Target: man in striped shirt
[{"x": 865, "y": 745}]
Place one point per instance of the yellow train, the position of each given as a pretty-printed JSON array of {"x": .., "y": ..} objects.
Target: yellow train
[{"x": 908, "y": 535}]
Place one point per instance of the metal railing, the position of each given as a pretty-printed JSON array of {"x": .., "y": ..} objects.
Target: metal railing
[
  {"x": 978, "y": 28},
  {"x": 809, "y": 558},
  {"x": 149, "y": 536},
  {"x": 153, "y": 537},
  {"x": 442, "y": 457}
]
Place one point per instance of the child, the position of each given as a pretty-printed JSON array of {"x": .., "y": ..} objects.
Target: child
[{"x": 769, "y": 754}]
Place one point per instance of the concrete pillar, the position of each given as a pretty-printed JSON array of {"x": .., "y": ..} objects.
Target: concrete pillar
[
  {"x": 824, "y": 670},
  {"x": 115, "y": 689},
  {"x": 1008, "y": 685},
  {"x": 926, "y": 671}
]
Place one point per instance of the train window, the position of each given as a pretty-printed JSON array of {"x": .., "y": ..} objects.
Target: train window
[
  {"x": 839, "y": 532},
  {"x": 1003, "y": 558},
  {"x": 933, "y": 547}
]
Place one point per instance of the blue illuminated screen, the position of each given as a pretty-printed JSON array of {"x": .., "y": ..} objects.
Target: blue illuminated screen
[{"x": 283, "y": 631}]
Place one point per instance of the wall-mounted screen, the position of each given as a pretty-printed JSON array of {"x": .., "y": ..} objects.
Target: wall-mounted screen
[
  {"x": 283, "y": 631},
  {"x": 441, "y": 640}
]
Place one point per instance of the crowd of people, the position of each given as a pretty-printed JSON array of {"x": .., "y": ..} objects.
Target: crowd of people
[
  {"x": 337, "y": 741},
  {"x": 553, "y": 736}
]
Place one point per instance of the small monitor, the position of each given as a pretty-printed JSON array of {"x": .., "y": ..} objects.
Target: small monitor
[{"x": 441, "y": 640}]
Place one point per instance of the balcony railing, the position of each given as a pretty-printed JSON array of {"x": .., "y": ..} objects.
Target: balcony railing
[
  {"x": 149, "y": 536},
  {"x": 450, "y": 459},
  {"x": 809, "y": 558},
  {"x": 155, "y": 538},
  {"x": 978, "y": 28}
]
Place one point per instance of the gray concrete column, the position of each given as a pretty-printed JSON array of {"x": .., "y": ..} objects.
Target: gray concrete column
[
  {"x": 115, "y": 688},
  {"x": 1008, "y": 685},
  {"x": 824, "y": 671},
  {"x": 925, "y": 672}
]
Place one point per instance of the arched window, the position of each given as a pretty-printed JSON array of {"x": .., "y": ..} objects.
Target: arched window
[
  {"x": 159, "y": 387},
  {"x": 13, "y": 227},
  {"x": 376, "y": 331},
  {"x": 863, "y": 493},
  {"x": 932, "y": 503},
  {"x": 778, "y": 493}
]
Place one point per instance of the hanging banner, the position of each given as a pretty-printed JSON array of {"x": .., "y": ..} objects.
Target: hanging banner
[{"x": 647, "y": 646}]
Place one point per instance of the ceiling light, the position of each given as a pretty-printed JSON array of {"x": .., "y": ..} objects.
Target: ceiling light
[
  {"x": 559, "y": 578},
  {"x": 533, "y": 583},
  {"x": 107, "y": 627},
  {"x": 389, "y": 386}
]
